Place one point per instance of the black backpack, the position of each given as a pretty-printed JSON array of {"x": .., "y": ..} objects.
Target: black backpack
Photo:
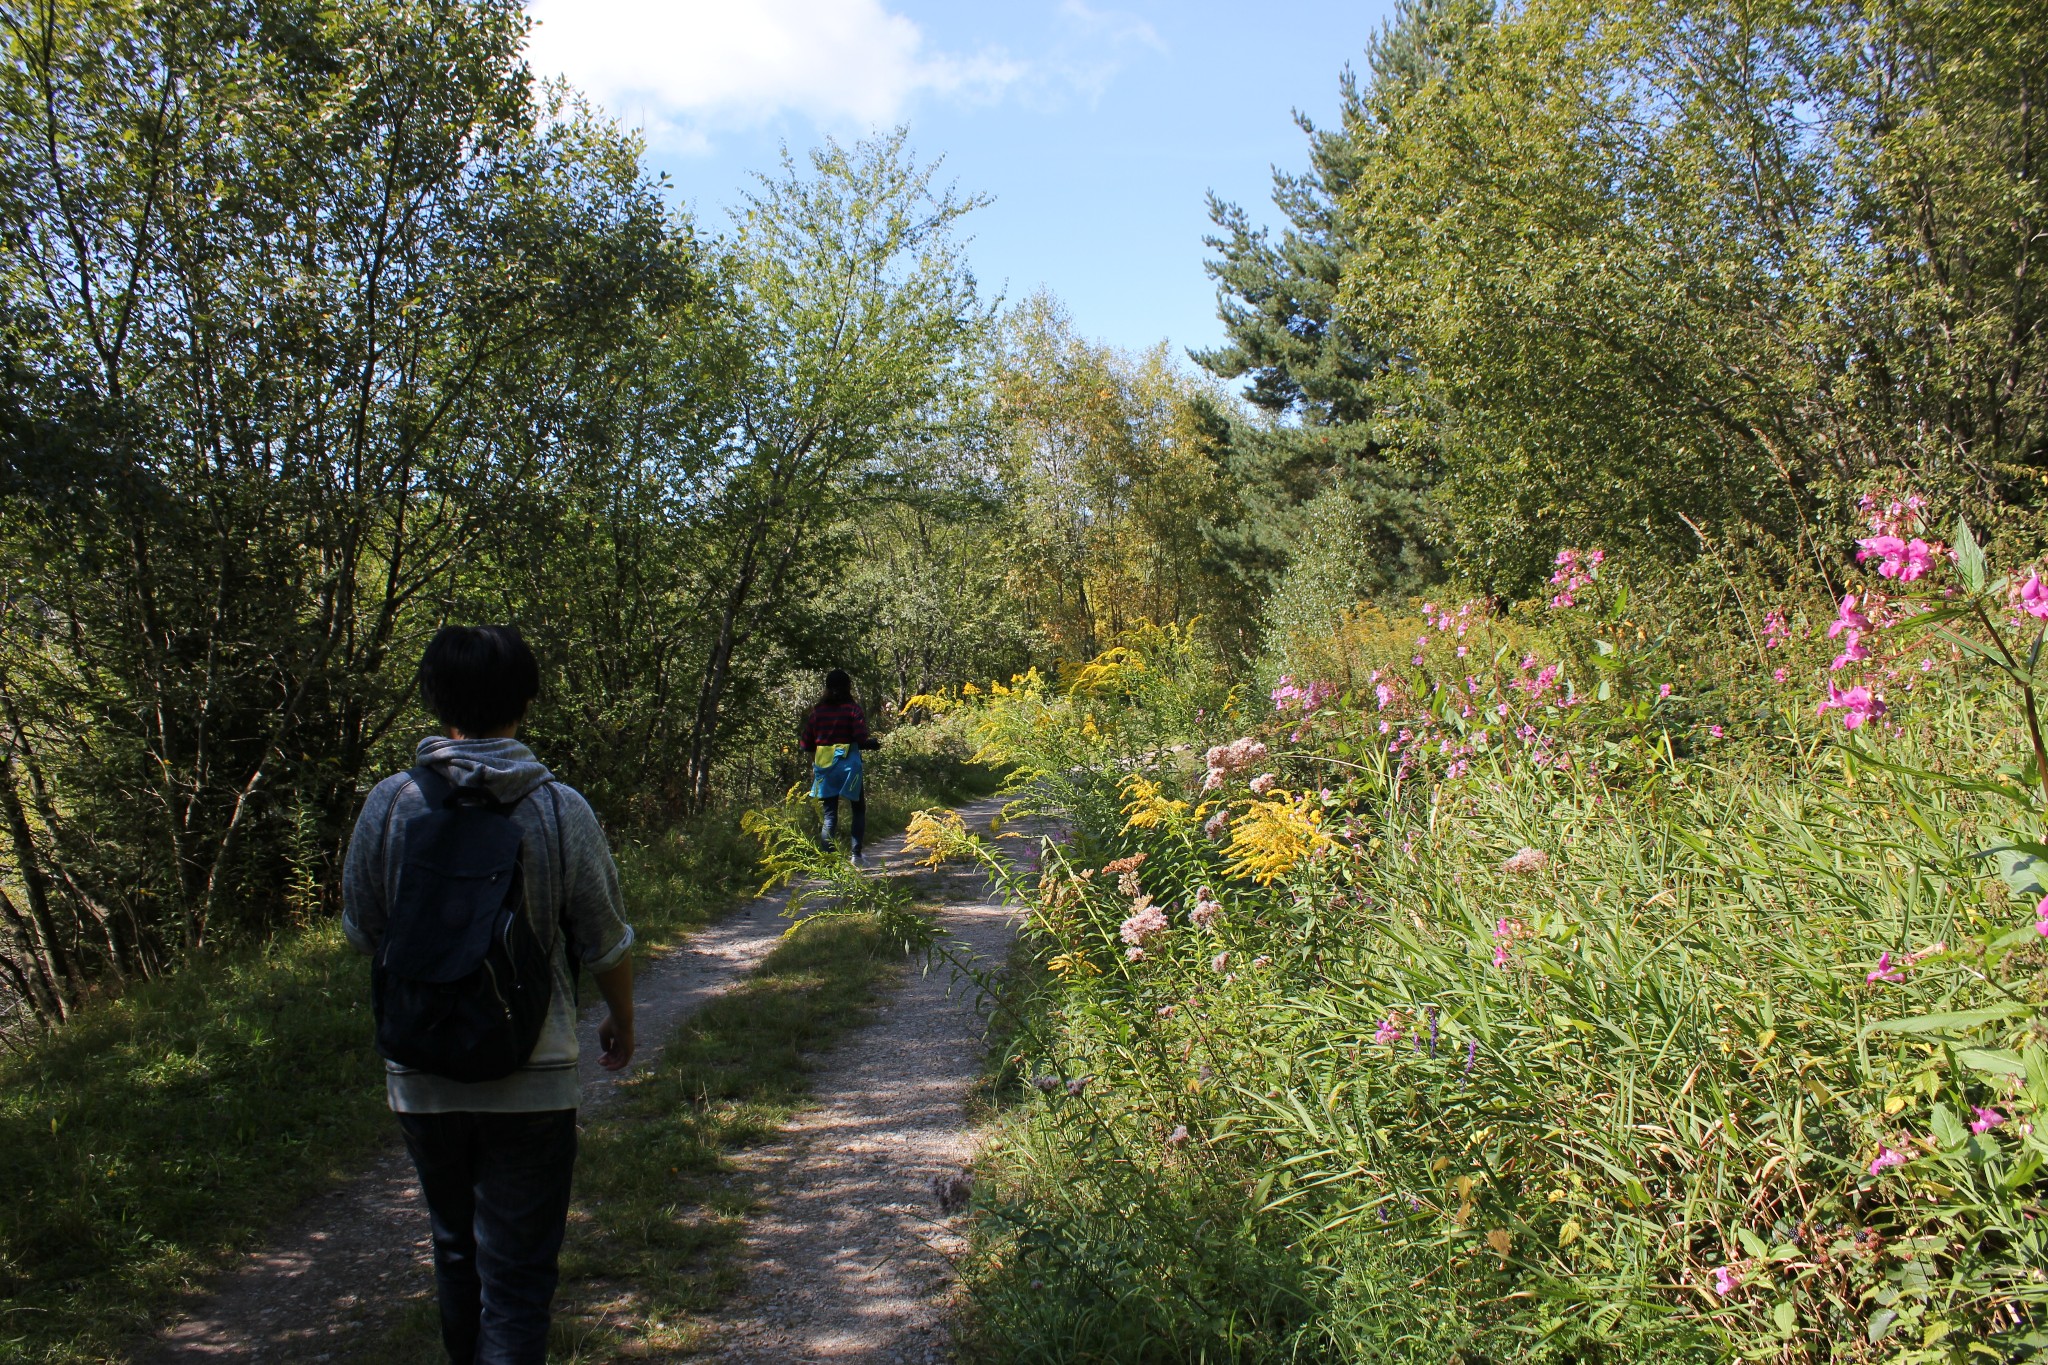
[{"x": 461, "y": 983}]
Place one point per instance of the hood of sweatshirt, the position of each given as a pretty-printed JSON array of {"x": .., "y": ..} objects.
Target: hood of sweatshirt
[{"x": 505, "y": 768}]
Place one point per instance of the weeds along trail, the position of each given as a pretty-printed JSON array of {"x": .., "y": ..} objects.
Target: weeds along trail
[{"x": 351, "y": 1277}]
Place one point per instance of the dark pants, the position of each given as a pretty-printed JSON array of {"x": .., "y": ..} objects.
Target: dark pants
[
  {"x": 857, "y": 826},
  {"x": 497, "y": 1186}
]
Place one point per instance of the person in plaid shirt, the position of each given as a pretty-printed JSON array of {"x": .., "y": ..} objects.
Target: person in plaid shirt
[{"x": 834, "y": 732}]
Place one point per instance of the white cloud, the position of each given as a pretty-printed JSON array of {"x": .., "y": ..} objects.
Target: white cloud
[{"x": 683, "y": 69}]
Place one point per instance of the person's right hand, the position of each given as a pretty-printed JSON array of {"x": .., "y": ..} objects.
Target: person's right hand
[{"x": 616, "y": 1038}]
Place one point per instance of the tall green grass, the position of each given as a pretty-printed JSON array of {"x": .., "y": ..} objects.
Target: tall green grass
[{"x": 1411, "y": 1098}]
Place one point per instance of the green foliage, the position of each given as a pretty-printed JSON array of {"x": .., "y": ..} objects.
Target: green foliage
[
  {"x": 1670, "y": 276},
  {"x": 1569, "y": 1043}
]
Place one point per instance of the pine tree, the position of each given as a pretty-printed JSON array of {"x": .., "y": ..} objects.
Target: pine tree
[{"x": 1305, "y": 365}]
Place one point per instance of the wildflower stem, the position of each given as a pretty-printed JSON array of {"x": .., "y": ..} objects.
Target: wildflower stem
[{"x": 2027, "y": 702}]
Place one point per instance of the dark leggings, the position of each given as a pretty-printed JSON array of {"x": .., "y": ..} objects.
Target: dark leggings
[{"x": 857, "y": 826}]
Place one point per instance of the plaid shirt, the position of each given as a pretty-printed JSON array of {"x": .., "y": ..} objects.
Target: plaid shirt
[{"x": 841, "y": 722}]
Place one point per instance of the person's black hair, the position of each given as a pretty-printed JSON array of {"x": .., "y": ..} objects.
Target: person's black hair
[
  {"x": 838, "y": 687},
  {"x": 478, "y": 678}
]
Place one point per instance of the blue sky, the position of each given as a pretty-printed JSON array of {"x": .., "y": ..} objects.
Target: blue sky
[{"x": 1097, "y": 128}]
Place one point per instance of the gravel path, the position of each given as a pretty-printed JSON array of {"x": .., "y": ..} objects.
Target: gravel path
[{"x": 851, "y": 1260}]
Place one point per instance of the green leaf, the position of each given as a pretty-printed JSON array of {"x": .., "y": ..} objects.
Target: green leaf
[
  {"x": 2023, "y": 870},
  {"x": 1997, "y": 1063},
  {"x": 1881, "y": 1323},
  {"x": 1948, "y": 1129},
  {"x": 1960, "y": 1019},
  {"x": 1969, "y": 557},
  {"x": 1752, "y": 1245},
  {"x": 1785, "y": 1317}
]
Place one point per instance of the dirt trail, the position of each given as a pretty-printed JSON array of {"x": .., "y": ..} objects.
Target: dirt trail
[
  {"x": 351, "y": 1258},
  {"x": 851, "y": 1260}
]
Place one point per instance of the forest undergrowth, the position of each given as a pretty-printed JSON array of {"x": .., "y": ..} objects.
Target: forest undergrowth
[{"x": 1563, "y": 984}]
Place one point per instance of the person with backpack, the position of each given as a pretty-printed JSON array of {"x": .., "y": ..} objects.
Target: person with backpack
[
  {"x": 478, "y": 884},
  {"x": 834, "y": 732}
]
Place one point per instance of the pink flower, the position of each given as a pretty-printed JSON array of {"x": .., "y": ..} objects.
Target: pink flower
[
  {"x": 1714, "y": 730},
  {"x": 1855, "y": 652},
  {"x": 1146, "y": 920},
  {"x": 1884, "y": 971},
  {"x": 1263, "y": 783},
  {"x": 1724, "y": 1280},
  {"x": 2034, "y": 597},
  {"x": 1385, "y": 695},
  {"x": 2041, "y": 915},
  {"x": 1216, "y": 824},
  {"x": 1387, "y": 1032},
  {"x": 1857, "y": 704},
  {"x": 1525, "y": 862},
  {"x": 1886, "y": 1159},
  {"x": 1904, "y": 560},
  {"x": 1219, "y": 962},
  {"x": 1778, "y": 675},
  {"x": 1986, "y": 1120},
  {"x": 1261, "y": 961},
  {"x": 1664, "y": 692},
  {"x": 1178, "y": 1137},
  {"x": 1204, "y": 914},
  {"x": 1134, "y": 954},
  {"x": 1848, "y": 618}
]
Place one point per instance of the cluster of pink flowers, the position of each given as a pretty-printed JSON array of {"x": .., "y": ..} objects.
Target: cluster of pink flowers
[
  {"x": 1575, "y": 571},
  {"x": 2041, "y": 917},
  {"x": 1203, "y": 916},
  {"x": 1526, "y": 862},
  {"x": 1262, "y": 784},
  {"x": 1227, "y": 760},
  {"x": 1292, "y": 696},
  {"x": 1777, "y": 630},
  {"x": 1886, "y": 1159},
  {"x": 1145, "y": 920},
  {"x": 1986, "y": 1120},
  {"x": 1388, "y": 1031},
  {"x": 1505, "y": 931},
  {"x": 1859, "y": 706},
  {"x": 1897, "y": 558},
  {"x": 1216, "y": 824}
]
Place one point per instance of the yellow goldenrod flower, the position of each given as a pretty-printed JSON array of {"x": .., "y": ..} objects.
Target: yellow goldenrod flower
[
  {"x": 1274, "y": 836},
  {"x": 938, "y": 834},
  {"x": 1148, "y": 808}
]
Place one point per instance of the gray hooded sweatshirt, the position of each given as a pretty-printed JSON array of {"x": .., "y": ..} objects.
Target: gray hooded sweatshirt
[{"x": 570, "y": 879}]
